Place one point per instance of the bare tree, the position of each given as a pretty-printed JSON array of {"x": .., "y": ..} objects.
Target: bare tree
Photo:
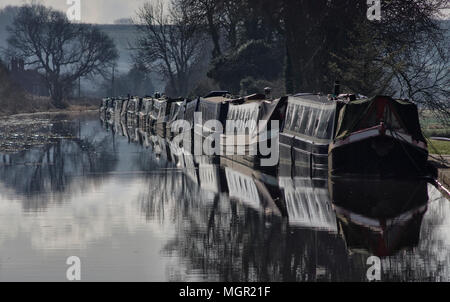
[
  {"x": 169, "y": 42},
  {"x": 207, "y": 13},
  {"x": 423, "y": 76},
  {"x": 62, "y": 50}
]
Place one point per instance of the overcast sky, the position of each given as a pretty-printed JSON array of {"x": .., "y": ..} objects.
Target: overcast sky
[
  {"x": 92, "y": 11},
  {"x": 100, "y": 11}
]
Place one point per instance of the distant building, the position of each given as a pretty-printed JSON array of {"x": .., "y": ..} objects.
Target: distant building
[{"x": 30, "y": 80}]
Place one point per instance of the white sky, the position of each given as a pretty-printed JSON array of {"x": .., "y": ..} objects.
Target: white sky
[
  {"x": 92, "y": 11},
  {"x": 101, "y": 11}
]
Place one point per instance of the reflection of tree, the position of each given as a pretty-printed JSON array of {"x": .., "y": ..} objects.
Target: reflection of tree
[
  {"x": 430, "y": 260},
  {"x": 51, "y": 168}
]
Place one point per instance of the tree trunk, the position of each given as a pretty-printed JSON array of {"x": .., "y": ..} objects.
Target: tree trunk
[
  {"x": 214, "y": 35},
  {"x": 57, "y": 95}
]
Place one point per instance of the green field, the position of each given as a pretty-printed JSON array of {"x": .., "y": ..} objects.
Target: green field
[
  {"x": 433, "y": 126},
  {"x": 439, "y": 147}
]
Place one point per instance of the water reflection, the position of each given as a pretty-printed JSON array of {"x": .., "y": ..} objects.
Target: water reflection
[{"x": 134, "y": 209}]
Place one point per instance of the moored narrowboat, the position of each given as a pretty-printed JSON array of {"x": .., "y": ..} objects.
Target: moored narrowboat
[
  {"x": 175, "y": 113},
  {"x": 123, "y": 110},
  {"x": 159, "y": 115},
  {"x": 132, "y": 110},
  {"x": 109, "y": 117},
  {"x": 248, "y": 127},
  {"x": 306, "y": 135},
  {"x": 103, "y": 106},
  {"x": 212, "y": 107},
  {"x": 144, "y": 113},
  {"x": 379, "y": 137}
]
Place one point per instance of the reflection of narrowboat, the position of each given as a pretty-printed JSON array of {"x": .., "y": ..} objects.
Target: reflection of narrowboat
[
  {"x": 252, "y": 188},
  {"x": 160, "y": 147},
  {"x": 379, "y": 216},
  {"x": 307, "y": 133},
  {"x": 380, "y": 198},
  {"x": 380, "y": 237},
  {"x": 378, "y": 136},
  {"x": 307, "y": 203}
]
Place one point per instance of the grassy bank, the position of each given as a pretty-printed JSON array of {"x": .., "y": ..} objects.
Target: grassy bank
[
  {"x": 33, "y": 104},
  {"x": 14, "y": 100},
  {"x": 432, "y": 125},
  {"x": 439, "y": 147}
]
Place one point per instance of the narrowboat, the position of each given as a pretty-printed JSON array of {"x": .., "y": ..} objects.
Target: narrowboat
[
  {"x": 189, "y": 113},
  {"x": 176, "y": 113},
  {"x": 306, "y": 134},
  {"x": 118, "y": 105},
  {"x": 212, "y": 107},
  {"x": 380, "y": 137},
  {"x": 159, "y": 115},
  {"x": 146, "y": 108},
  {"x": 123, "y": 110},
  {"x": 248, "y": 126},
  {"x": 132, "y": 108},
  {"x": 110, "y": 111},
  {"x": 103, "y": 106}
]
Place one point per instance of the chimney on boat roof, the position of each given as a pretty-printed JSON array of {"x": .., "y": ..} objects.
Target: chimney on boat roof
[
  {"x": 267, "y": 91},
  {"x": 337, "y": 88}
]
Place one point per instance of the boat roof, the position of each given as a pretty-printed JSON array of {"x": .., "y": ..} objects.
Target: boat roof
[
  {"x": 312, "y": 98},
  {"x": 218, "y": 99},
  {"x": 217, "y": 93},
  {"x": 257, "y": 97}
]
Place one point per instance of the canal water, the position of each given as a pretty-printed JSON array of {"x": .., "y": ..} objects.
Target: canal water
[{"x": 132, "y": 212}]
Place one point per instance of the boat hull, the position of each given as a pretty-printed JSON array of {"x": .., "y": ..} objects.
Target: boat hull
[{"x": 378, "y": 155}]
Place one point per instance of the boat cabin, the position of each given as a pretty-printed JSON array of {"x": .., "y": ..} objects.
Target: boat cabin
[{"x": 307, "y": 132}]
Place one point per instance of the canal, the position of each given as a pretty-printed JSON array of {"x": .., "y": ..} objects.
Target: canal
[{"x": 130, "y": 210}]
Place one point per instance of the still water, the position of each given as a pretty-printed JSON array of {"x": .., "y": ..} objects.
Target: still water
[{"x": 132, "y": 211}]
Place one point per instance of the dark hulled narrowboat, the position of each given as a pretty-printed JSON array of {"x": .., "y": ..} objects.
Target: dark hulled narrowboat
[
  {"x": 175, "y": 113},
  {"x": 132, "y": 110},
  {"x": 146, "y": 108},
  {"x": 211, "y": 107},
  {"x": 307, "y": 133},
  {"x": 248, "y": 126},
  {"x": 123, "y": 110},
  {"x": 380, "y": 137},
  {"x": 160, "y": 114}
]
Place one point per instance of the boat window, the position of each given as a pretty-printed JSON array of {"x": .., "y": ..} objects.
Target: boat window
[{"x": 314, "y": 120}]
